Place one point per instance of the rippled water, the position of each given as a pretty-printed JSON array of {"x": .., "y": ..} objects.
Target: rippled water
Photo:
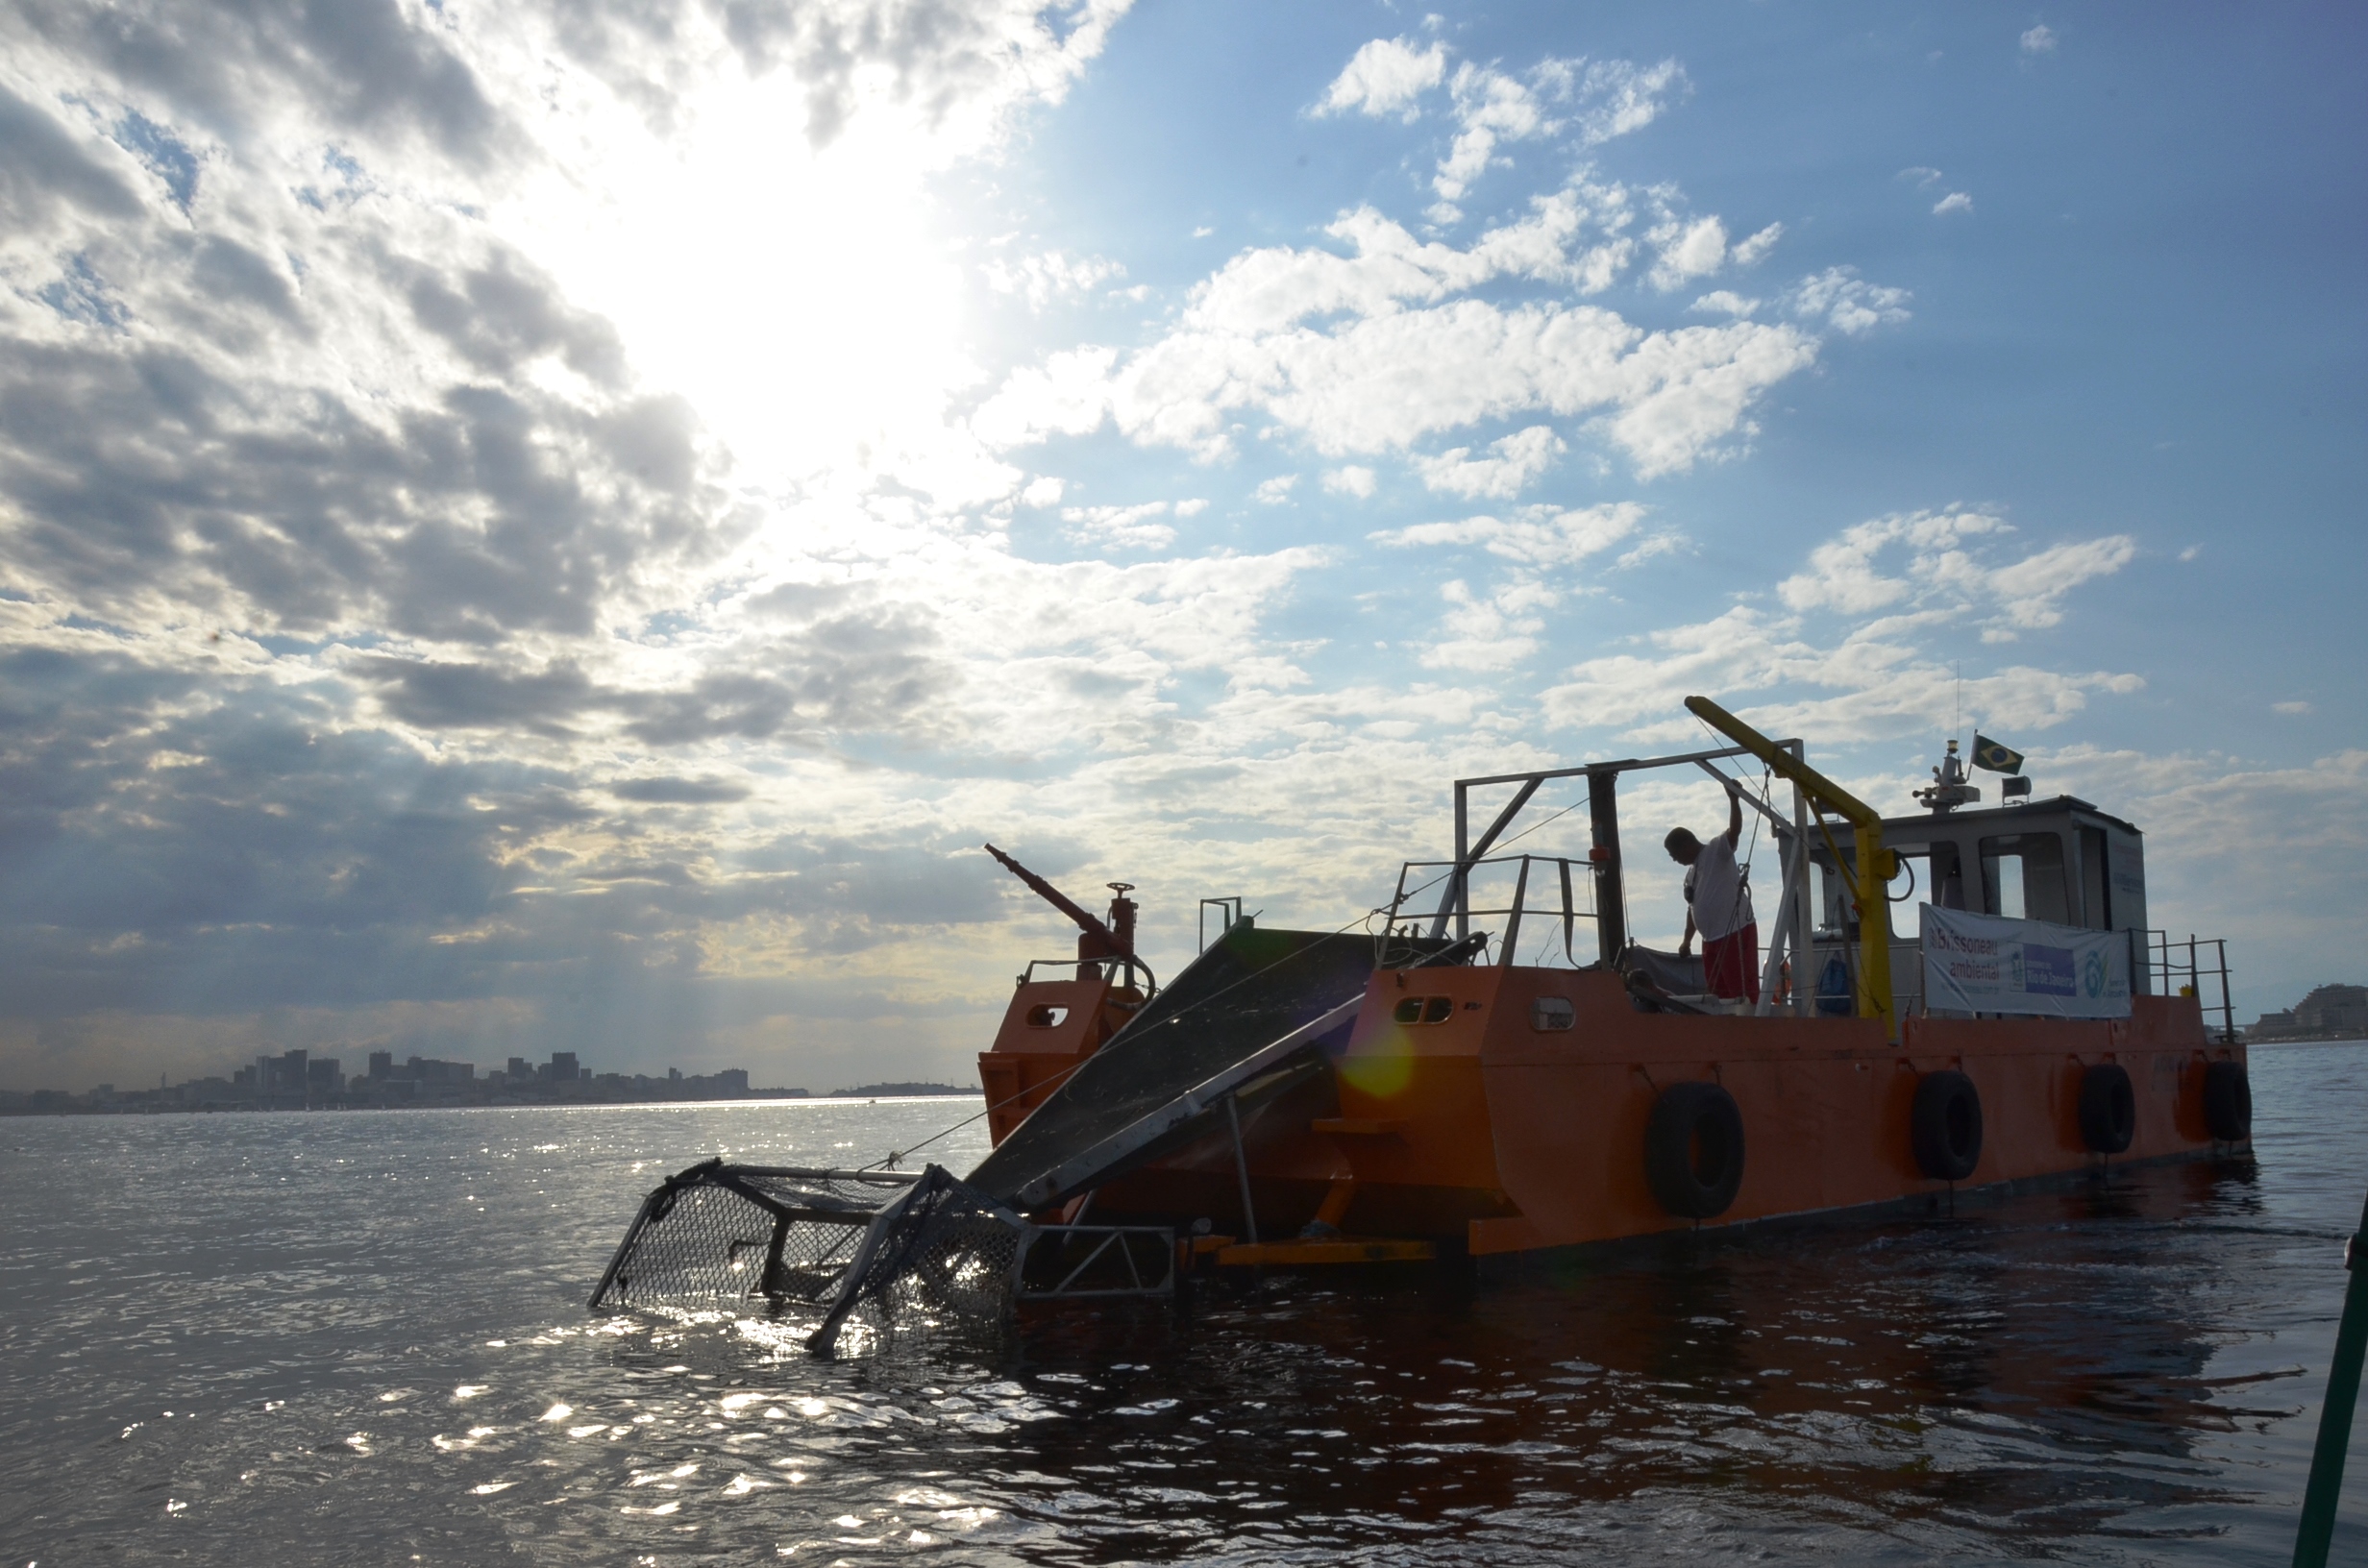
[{"x": 360, "y": 1338}]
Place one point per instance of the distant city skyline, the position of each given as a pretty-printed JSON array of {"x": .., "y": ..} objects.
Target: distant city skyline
[{"x": 298, "y": 1080}]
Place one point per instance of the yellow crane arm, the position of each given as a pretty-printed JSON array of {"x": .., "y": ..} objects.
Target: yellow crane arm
[{"x": 1874, "y": 866}]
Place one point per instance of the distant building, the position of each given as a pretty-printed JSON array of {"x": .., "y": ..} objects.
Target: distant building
[
  {"x": 429, "y": 1070},
  {"x": 2328, "y": 1012},
  {"x": 325, "y": 1075},
  {"x": 280, "y": 1077},
  {"x": 563, "y": 1068},
  {"x": 381, "y": 1066}
]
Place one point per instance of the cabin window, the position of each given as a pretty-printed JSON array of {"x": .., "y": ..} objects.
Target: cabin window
[
  {"x": 2023, "y": 878},
  {"x": 1424, "y": 1010},
  {"x": 2096, "y": 897},
  {"x": 1047, "y": 1017},
  {"x": 1552, "y": 1013}
]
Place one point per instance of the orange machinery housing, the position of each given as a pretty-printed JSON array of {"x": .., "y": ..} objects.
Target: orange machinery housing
[{"x": 1503, "y": 1108}]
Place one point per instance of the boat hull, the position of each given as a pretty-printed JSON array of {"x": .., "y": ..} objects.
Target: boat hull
[{"x": 1519, "y": 1120}]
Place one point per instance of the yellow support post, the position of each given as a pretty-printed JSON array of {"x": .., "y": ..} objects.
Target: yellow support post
[{"x": 1871, "y": 876}]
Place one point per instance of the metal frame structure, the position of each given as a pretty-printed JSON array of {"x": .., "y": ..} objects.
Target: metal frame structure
[
  {"x": 1137, "y": 969},
  {"x": 1790, "y": 935},
  {"x": 2163, "y": 963},
  {"x": 1228, "y": 915},
  {"x": 1112, "y": 1235}
]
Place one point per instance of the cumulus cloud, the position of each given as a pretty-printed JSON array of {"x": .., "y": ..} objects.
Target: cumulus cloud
[
  {"x": 1049, "y": 276},
  {"x": 1955, "y": 201},
  {"x": 1850, "y": 658},
  {"x": 1350, "y": 480},
  {"x": 1848, "y": 302},
  {"x": 1589, "y": 100},
  {"x": 1537, "y": 536},
  {"x": 1851, "y": 688},
  {"x": 1127, "y": 528},
  {"x": 2039, "y": 41},
  {"x": 1371, "y": 351},
  {"x": 1687, "y": 251},
  {"x": 1490, "y": 633},
  {"x": 1911, "y": 557},
  {"x": 1385, "y": 77},
  {"x": 1597, "y": 101},
  {"x": 1506, "y": 468},
  {"x": 1749, "y": 250}
]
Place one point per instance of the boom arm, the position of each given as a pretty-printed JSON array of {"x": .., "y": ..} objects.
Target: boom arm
[
  {"x": 1117, "y": 946},
  {"x": 1873, "y": 865}
]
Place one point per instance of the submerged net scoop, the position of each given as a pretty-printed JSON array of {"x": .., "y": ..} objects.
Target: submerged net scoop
[
  {"x": 947, "y": 1252},
  {"x": 902, "y": 1252},
  {"x": 730, "y": 1232}
]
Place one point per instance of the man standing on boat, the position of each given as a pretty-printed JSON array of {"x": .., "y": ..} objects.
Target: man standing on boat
[{"x": 1718, "y": 905}]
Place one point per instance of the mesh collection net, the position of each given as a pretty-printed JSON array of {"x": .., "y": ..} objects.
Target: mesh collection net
[
  {"x": 939, "y": 1256},
  {"x": 896, "y": 1251}
]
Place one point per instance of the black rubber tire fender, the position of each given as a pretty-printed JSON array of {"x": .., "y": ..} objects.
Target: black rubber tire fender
[
  {"x": 1944, "y": 1125},
  {"x": 2227, "y": 1101},
  {"x": 1693, "y": 1150},
  {"x": 2108, "y": 1108}
]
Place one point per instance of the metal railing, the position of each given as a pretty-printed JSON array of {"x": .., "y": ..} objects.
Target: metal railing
[
  {"x": 1568, "y": 911},
  {"x": 1228, "y": 915},
  {"x": 2176, "y": 968},
  {"x": 1134, "y": 966}
]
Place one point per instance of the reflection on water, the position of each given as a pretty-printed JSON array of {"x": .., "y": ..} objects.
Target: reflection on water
[{"x": 360, "y": 1338}]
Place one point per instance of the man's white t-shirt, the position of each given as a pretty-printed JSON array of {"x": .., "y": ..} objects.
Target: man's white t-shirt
[{"x": 1721, "y": 903}]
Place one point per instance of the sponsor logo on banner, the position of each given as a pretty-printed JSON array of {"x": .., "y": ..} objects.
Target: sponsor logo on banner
[{"x": 2047, "y": 970}]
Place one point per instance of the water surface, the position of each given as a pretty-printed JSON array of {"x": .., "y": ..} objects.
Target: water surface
[{"x": 360, "y": 1338}]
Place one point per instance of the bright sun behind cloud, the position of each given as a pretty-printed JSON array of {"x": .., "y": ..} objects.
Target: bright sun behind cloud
[{"x": 801, "y": 298}]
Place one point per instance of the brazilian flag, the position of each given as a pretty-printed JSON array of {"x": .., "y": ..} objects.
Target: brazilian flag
[{"x": 1988, "y": 753}]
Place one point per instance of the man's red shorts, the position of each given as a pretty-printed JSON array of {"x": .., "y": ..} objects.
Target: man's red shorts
[{"x": 1730, "y": 964}]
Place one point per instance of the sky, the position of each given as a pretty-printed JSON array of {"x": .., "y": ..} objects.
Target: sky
[{"x": 566, "y": 526}]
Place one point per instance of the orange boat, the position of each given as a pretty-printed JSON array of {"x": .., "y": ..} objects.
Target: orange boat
[
  {"x": 1407, "y": 1089},
  {"x": 1475, "y": 1078}
]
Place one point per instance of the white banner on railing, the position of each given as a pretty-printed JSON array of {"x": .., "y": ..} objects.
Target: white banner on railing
[{"x": 1986, "y": 963}]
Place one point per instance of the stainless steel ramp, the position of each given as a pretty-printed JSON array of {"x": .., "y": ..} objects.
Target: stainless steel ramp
[{"x": 1257, "y": 998}]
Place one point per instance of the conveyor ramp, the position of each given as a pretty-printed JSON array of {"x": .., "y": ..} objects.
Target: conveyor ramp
[{"x": 1258, "y": 996}]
